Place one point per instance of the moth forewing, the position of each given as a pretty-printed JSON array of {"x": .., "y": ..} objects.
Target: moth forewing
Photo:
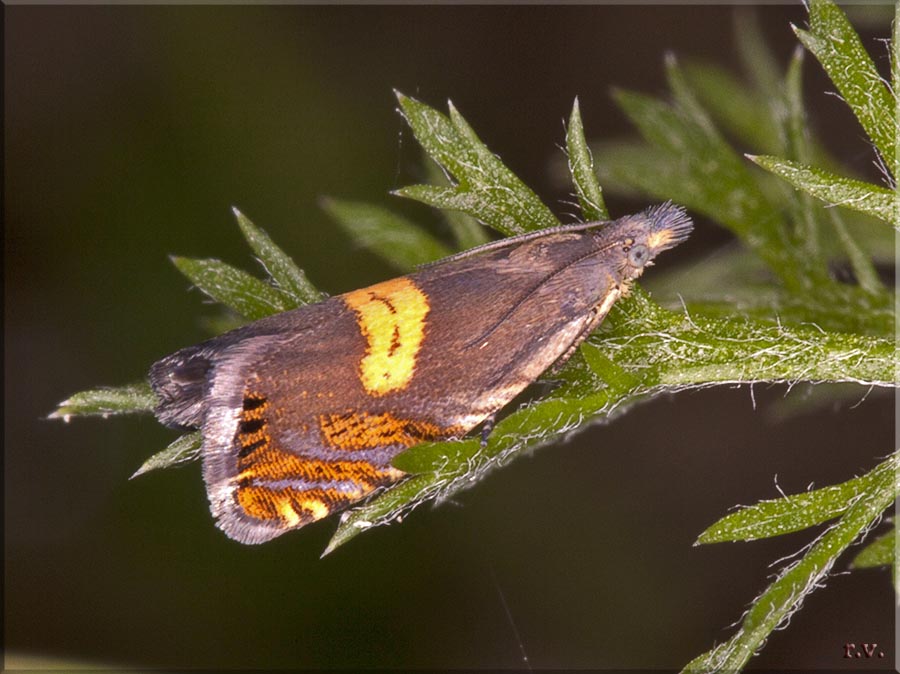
[{"x": 302, "y": 412}]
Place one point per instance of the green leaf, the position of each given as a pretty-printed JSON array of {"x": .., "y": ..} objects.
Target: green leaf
[
  {"x": 581, "y": 166},
  {"x": 860, "y": 262},
  {"x": 485, "y": 188},
  {"x": 289, "y": 277},
  {"x": 384, "y": 508},
  {"x": 834, "y": 42},
  {"x": 105, "y": 402},
  {"x": 795, "y": 121},
  {"x": 467, "y": 231},
  {"x": 895, "y": 75},
  {"x": 691, "y": 349},
  {"x": 183, "y": 450},
  {"x": 879, "y": 552},
  {"x": 785, "y": 515},
  {"x": 805, "y": 216},
  {"x": 756, "y": 57},
  {"x": 607, "y": 370},
  {"x": 739, "y": 110},
  {"x": 396, "y": 239},
  {"x": 834, "y": 190},
  {"x": 895, "y": 78},
  {"x": 799, "y": 579},
  {"x": 251, "y": 298}
]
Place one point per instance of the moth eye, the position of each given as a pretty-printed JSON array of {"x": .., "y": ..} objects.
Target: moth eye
[{"x": 638, "y": 255}]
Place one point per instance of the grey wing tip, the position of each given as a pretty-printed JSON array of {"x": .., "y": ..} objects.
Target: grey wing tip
[{"x": 179, "y": 381}]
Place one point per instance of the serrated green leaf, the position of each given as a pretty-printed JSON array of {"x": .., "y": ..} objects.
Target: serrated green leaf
[
  {"x": 689, "y": 349},
  {"x": 183, "y": 450},
  {"x": 402, "y": 243},
  {"x": 879, "y": 552},
  {"x": 581, "y": 166},
  {"x": 486, "y": 189},
  {"x": 799, "y": 579},
  {"x": 835, "y": 43},
  {"x": 834, "y": 190},
  {"x": 289, "y": 277},
  {"x": 451, "y": 199},
  {"x": 104, "y": 402},
  {"x": 467, "y": 231},
  {"x": 251, "y": 298}
]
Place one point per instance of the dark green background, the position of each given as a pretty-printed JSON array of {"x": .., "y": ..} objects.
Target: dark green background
[{"x": 130, "y": 132}]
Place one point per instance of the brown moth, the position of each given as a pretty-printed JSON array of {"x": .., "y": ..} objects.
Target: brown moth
[{"x": 302, "y": 412}]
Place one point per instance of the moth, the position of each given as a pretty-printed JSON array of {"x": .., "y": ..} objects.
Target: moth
[{"x": 302, "y": 412}]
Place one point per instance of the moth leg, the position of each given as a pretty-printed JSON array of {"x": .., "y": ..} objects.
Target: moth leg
[{"x": 486, "y": 429}]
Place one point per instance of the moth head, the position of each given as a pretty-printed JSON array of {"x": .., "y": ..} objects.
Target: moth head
[{"x": 641, "y": 237}]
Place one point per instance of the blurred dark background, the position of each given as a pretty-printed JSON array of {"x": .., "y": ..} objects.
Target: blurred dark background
[{"x": 130, "y": 131}]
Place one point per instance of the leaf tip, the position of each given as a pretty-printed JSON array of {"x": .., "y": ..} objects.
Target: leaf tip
[
  {"x": 404, "y": 100},
  {"x": 247, "y": 227},
  {"x": 140, "y": 471},
  {"x": 59, "y": 412},
  {"x": 575, "y": 115}
]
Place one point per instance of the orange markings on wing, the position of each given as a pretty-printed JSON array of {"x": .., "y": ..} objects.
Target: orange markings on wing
[
  {"x": 293, "y": 507},
  {"x": 361, "y": 430},
  {"x": 271, "y": 463}
]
